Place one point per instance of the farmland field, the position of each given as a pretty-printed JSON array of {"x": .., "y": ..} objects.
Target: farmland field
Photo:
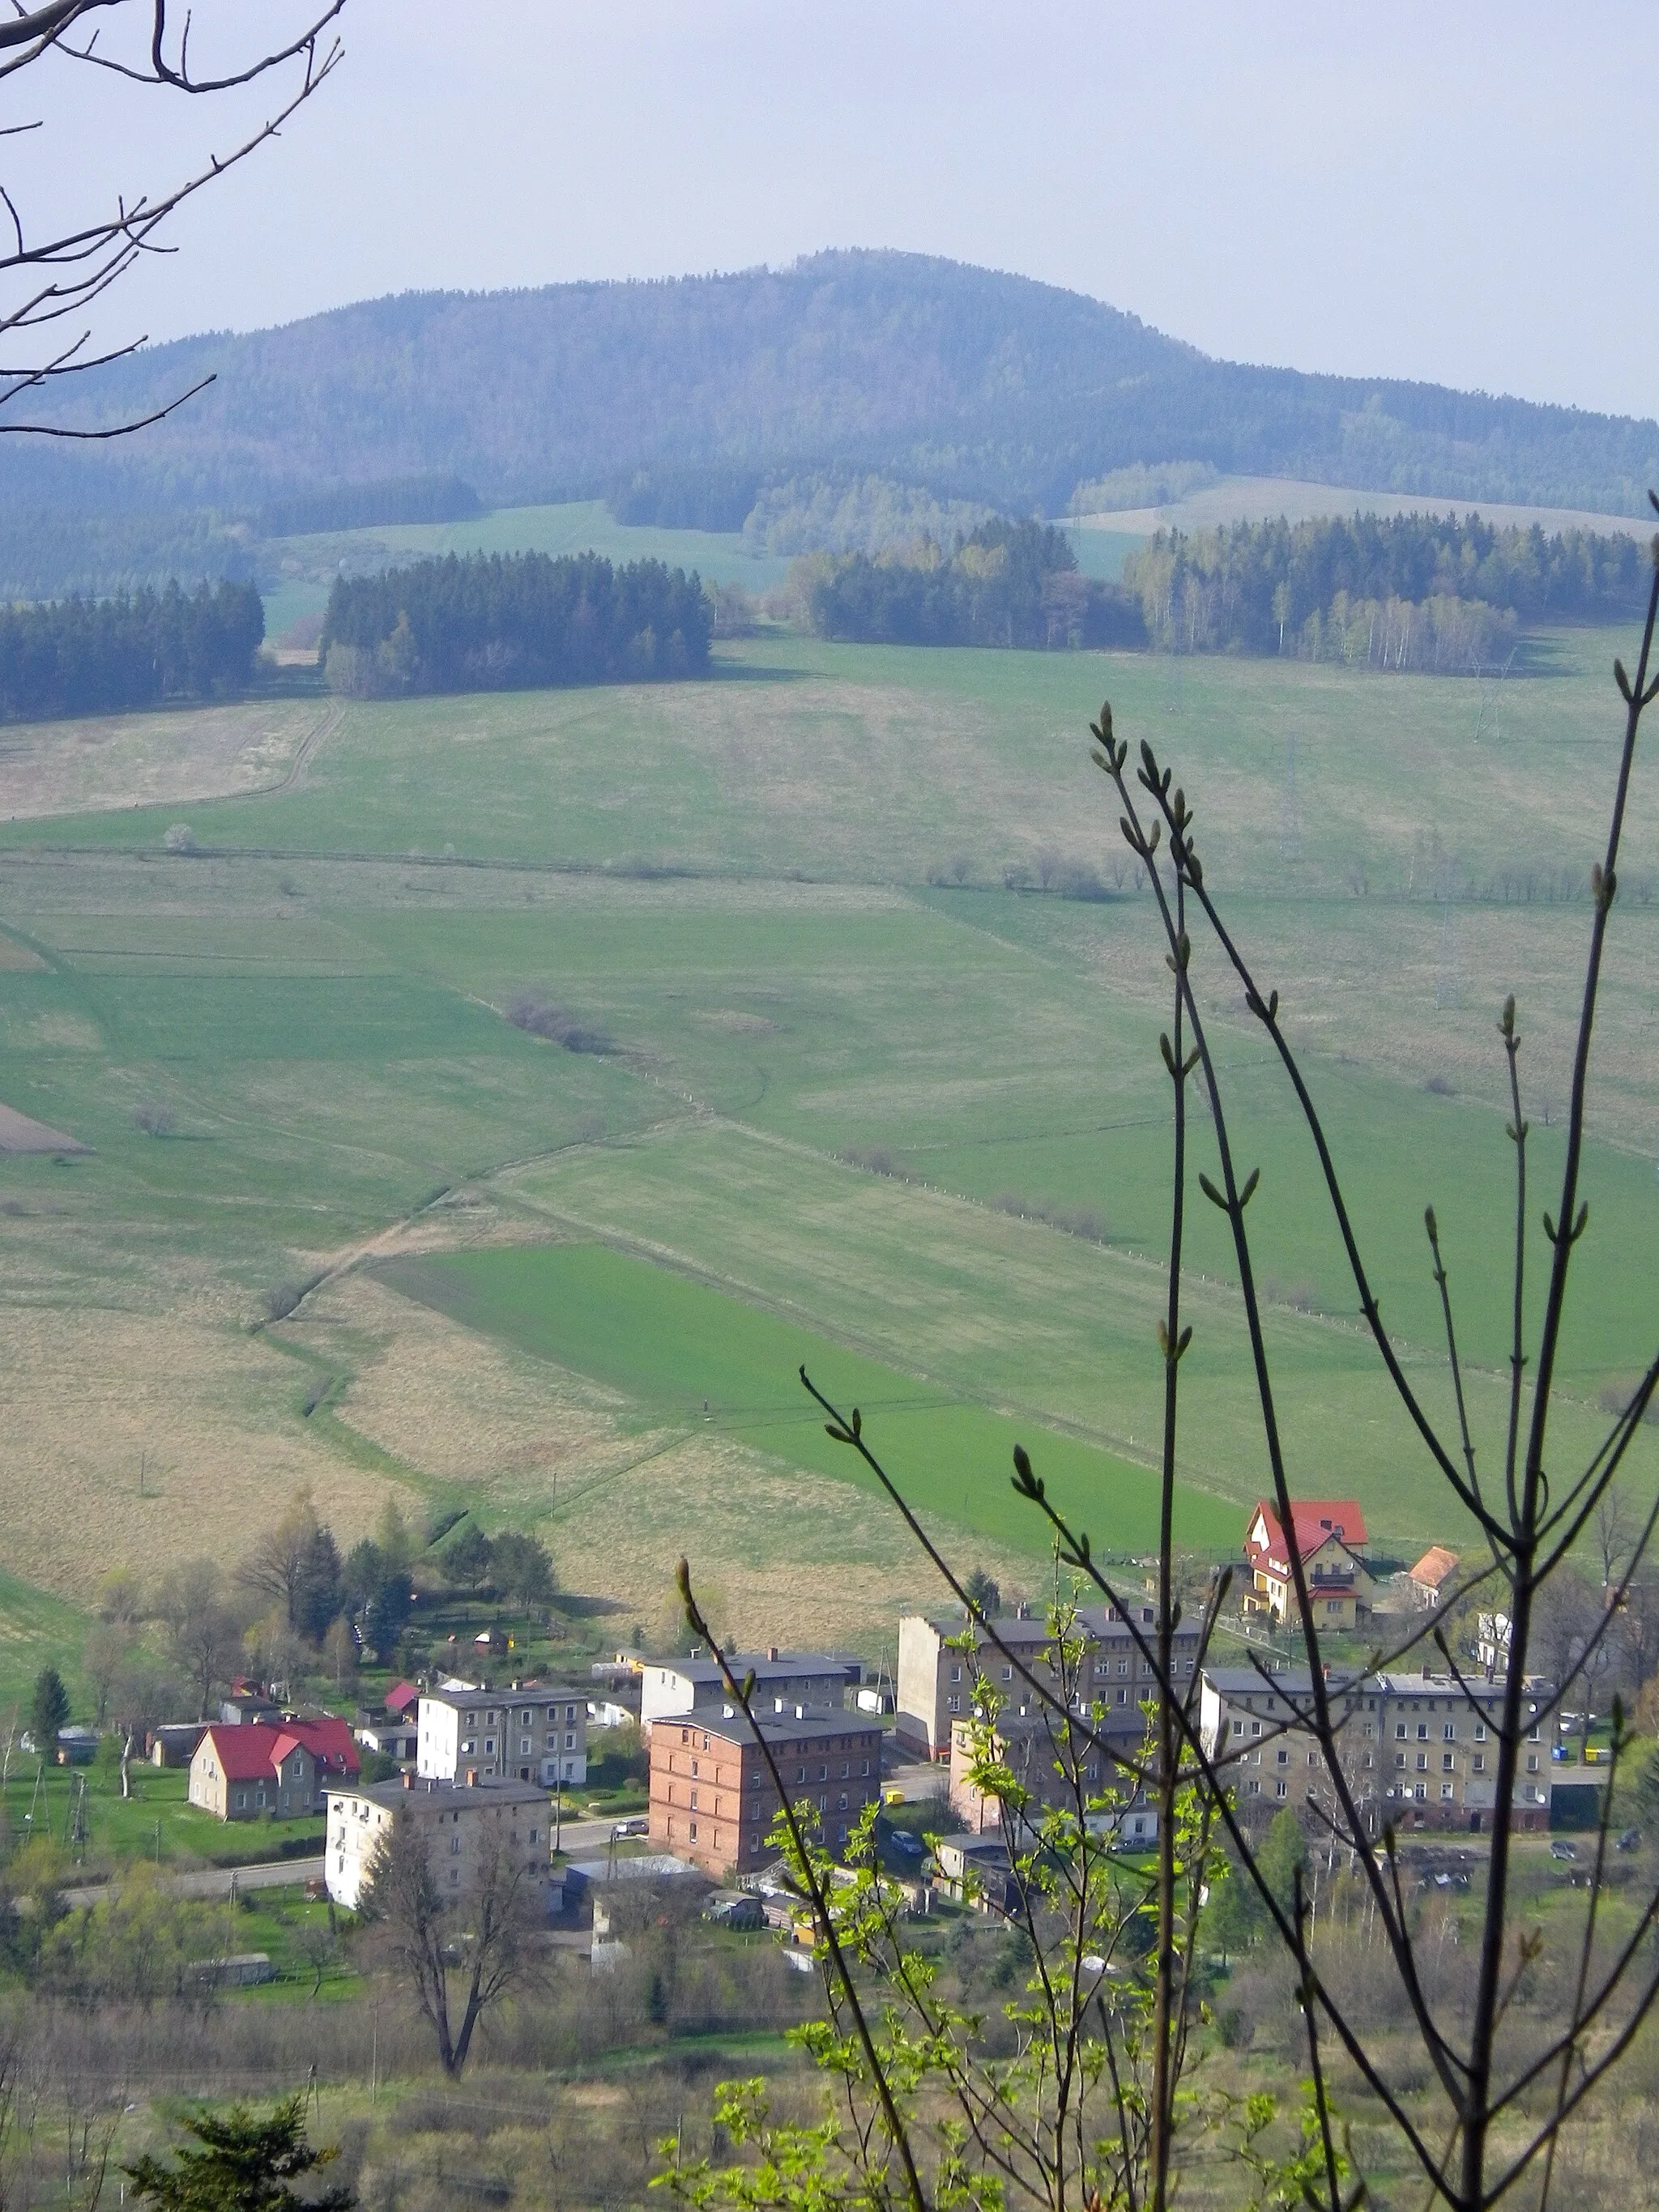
[{"x": 857, "y": 1085}]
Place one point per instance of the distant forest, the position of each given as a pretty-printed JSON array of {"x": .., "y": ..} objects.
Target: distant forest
[
  {"x": 506, "y": 622},
  {"x": 681, "y": 398},
  {"x": 1008, "y": 584},
  {"x": 1410, "y": 592},
  {"x": 85, "y": 657}
]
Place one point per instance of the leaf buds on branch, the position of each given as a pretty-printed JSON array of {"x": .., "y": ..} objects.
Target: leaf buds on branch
[{"x": 1173, "y": 1353}]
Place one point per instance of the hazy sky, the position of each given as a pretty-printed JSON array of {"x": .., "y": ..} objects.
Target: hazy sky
[{"x": 1463, "y": 193}]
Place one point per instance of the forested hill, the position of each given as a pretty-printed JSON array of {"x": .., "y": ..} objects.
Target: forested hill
[{"x": 975, "y": 384}]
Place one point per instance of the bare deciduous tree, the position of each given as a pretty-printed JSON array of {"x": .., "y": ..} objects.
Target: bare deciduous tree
[
  {"x": 457, "y": 1954},
  {"x": 204, "y": 1639},
  {"x": 55, "y": 273}
]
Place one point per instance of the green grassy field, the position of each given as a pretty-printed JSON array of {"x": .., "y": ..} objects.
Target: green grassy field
[
  {"x": 862, "y": 1075},
  {"x": 688, "y": 1353}
]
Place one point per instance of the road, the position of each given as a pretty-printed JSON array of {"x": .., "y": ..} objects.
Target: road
[
  {"x": 578, "y": 1839},
  {"x": 215, "y": 1882}
]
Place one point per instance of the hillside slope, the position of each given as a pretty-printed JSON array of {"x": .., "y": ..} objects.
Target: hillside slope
[{"x": 975, "y": 384}]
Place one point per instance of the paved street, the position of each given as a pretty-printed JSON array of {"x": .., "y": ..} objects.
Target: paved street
[
  {"x": 215, "y": 1882},
  {"x": 578, "y": 1839}
]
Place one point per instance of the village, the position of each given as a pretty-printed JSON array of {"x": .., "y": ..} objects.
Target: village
[{"x": 477, "y": 1766}]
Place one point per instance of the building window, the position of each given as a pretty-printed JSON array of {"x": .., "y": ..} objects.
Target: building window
[
  {"x": 1253, "y": 1789},
  {"x": 694, "y": 1766},
  {"x": 1422, "y": 1761},
  {"x": 1479, "y": 1732},
  {"x": 1532, "y": 1762},
  {"x": 1283, "y": 1756},
  {"x": 754, "y": 1841},
  {"x": 1422, "y": 1731},
  {"x": 1445, "y": 1790},
  {"x": 1448, "y": 1764},
  {"x": 1399, "y": 1731},
  {"x": 1255, "y": 1727},
  {"x": 1449, "y": 1733},
  {"x": 692, "y": 1832},
  {"x": 1238, "y": 1727},
  {"x": 1281, "y": 1789},
  {"x": 955, "y": 1674},
  {"x": 1479, "y": 1762}
]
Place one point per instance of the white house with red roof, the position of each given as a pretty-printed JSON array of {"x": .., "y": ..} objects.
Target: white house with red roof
[
  {"x": 1330, "y": 1541},
  {"x": 278, "y": 1771}
]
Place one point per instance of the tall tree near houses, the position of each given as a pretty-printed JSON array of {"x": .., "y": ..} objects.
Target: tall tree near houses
[
  {"x": 49, "y": 1710},
  {"x": 457, "y": 1956},
  {"x": 277, "y": 1565},
  {"x": 204, "y": 1641}
]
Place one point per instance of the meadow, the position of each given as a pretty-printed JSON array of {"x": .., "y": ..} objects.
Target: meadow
[{"x": 857, "y": 1085}]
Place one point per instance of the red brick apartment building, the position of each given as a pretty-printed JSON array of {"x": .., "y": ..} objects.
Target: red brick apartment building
[{"x": 711, "y": 1798}]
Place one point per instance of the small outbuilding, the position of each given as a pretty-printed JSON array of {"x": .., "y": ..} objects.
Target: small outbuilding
[{"x": 1434, "y": 1576}]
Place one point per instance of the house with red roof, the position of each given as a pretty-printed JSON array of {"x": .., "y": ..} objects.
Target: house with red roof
[
  {"x": 1330, "y": 1542},
  {"x": 278, "y": 1771}
]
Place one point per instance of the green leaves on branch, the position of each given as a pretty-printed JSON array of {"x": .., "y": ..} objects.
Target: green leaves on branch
[
  {"x": 1173, "y": 1353},
  {"x": 1554, "y": 1234},
  {"x": 1216, "y": 1198},
  {"x": 1187, "y": 1064}
]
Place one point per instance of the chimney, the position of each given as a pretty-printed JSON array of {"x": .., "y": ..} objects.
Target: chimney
[
  {"x": 408, "y": 1777},
  {"x": 772, "y": 1652},
  {"x": 471, "y": 1778}
]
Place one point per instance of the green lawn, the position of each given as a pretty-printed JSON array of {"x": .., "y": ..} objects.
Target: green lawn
[{"x": 157, "y": 1822}]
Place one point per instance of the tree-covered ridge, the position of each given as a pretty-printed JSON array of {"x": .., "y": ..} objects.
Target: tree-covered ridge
[
  {"x": 1009, "y": 584},
  {"x": 94, "y": 657},
  {"x": 682, "y": 396},
  {"x": 506, "y": 622},
  {"x": 1413, "y": 591}
]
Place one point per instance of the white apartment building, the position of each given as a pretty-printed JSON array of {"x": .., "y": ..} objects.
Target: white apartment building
[
  {"x": 936, "y": 1675},
  {"x": 456, "y": 1819},
  {"x": 786, "y": 1683},
  {"x": 1418, "y": 1748},
  {"x": 519, "y": 1734}
]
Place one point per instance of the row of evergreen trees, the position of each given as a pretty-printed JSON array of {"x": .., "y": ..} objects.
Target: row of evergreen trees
[
  {"x": 1007, "y": 584},
  {"x": 1413, "y": 591},
  {"x": 501, "y": 622},
  {"x": 99, "y": 656}
]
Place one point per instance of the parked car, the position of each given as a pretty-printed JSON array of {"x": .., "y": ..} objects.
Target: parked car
[
  {"x": 640, "y": 1825},
  {"x": 1629, "y": 1841},
  {"x": 907, "y": 1845},
  {"x": 1563, "y": 1850}
]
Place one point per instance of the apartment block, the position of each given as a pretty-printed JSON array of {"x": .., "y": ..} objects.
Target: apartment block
[
  {"x": 712, "y": 1798},
  {"x": 521, "y": 1733}
]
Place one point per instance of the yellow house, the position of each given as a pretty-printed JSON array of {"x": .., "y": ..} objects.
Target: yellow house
[{"x": 1330, "y": 1541}]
